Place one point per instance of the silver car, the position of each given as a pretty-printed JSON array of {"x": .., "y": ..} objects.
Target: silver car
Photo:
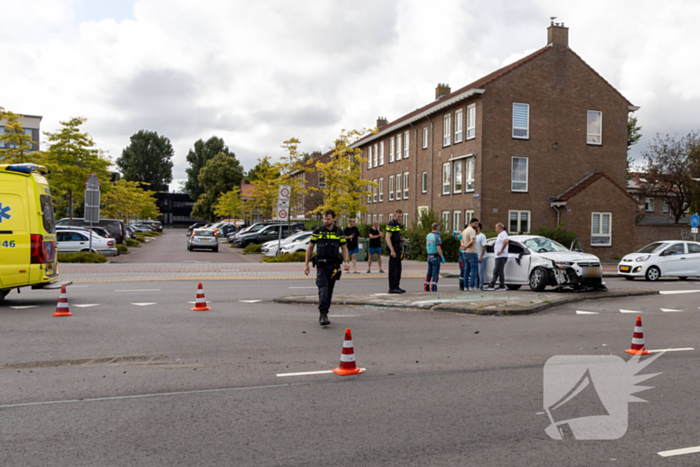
[
  {"x": 203, "y": 238},
  {"x": 73, "y": 241}
]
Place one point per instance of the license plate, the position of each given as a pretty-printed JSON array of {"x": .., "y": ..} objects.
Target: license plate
[
  {"x": 591, "y": 272},
  {"x": 624, "y": 268}
]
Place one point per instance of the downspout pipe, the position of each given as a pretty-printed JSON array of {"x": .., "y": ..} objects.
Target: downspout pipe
[
  {"x": 432, "y": 136},
  {"x": 415, "y": 174}
]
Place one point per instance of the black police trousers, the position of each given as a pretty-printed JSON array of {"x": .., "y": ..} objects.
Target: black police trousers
[
  {"x": 325, "y": 283},
  {"x": 395, "y": 270}
]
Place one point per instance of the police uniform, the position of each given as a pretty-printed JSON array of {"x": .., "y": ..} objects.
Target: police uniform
[
  {"x": 328, "y": 260},
  {"x": 394, "y": 229}
]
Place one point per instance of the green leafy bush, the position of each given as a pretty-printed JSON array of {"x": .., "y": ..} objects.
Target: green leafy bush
[
  {"x": 252, "y": 249},
  {"x": 151, "y": 234},
  {"x": 81, "y": 258},
  {"x": 298, "y": 257},
  {"x": 123, "y": 249},
  {"x": 312, "y": 224},
  {"x": 131, "y": 242},
  {"x": 416, "y": 237},
  {"x": 563, "y": 236}
]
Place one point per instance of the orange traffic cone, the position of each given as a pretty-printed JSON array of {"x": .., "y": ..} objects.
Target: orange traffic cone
[
  {"x": 201, "y": 303},
  {"x": 347, "y": 358},
  {"x": 638, "y": 340},
  {"x": 62, "y": 306}
]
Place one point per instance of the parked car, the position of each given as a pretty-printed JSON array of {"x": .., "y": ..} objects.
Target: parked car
[
  {"x": 130, "y": 232},
  {"x": 265, "y": 234},
  {"x": 73, "y": 241},
  {"x": 297, "y": 246},
  {"x": 115, "y": 227},
  {"x": 202, "y": 238},
  {"x": 156, "y": 226},
  {"x": 296, "y": 227},
  {"x": 270, "y": 248},
  {"x": 542, "y": 262},
  {"x": 196, "y": 225},
  {"x": 668, "y": 258},
  {"x": 101, "y": 231}
]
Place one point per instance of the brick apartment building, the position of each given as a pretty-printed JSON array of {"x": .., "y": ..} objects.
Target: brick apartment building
[
  {"x": 539, "y": 142},
  {"x": 313, "y": 199}
]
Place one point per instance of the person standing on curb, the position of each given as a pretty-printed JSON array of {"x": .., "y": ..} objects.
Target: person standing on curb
[
  {"x": 433, "y": 246},
  {"x": 375, "y": 246},
  {"x": 458, "y": 236},
  {"x": 329, "y": 242},
  {"x": 500, "y": 253},
  {"x": 481, "y": 251},
  {"x": 471, "y": 263},
  {"x": 352, "y": 236},
  {"x": 393, "y": 243}
]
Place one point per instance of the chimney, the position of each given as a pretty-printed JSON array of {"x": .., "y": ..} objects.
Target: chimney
[
  {"x": 557, "y": 35},
  {"x": 441, "y": 90},
  {"x": 381, "y": 121}
]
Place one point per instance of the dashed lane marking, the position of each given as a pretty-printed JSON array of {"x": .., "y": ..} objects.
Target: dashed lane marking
[
  {"x": 23, "y": 307},
  {"x": 250, "y": 301},
  {"x": 681, "y": 349},
  {"x": 581, "y": 312},
  {"x": 673, "y": 292},
  {"x": 631, "y": 311},
  {"x": 307, "y": 373},
  {"x": 670, "y": 310},
  {"x": 87, "y": 305},
  {"x": 138, "y": 290},
  {"x": 144, "y": 304},
  {"x": 679, "y": 452}
]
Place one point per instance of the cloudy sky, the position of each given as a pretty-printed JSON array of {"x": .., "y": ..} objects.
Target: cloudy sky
[{"x": 258, "y": 72}]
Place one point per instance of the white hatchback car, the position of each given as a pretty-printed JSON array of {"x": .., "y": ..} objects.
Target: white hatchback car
[
  {"x": 297, "y": 246},
  {"x": 539, "y": 262},
  {"x": 270, "y": 248},
  {"x": 668, "y": 258},
  {"x": 74, "y": 241}
]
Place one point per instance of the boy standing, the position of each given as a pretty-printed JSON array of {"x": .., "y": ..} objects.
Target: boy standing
[{"x": 433, "y": 246}]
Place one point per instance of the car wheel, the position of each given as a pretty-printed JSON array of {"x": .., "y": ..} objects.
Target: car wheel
[
  {"x": 538, "y": 279},
  {"x": 3, "y": 293},
  {"x": 245, "y": 244},
  {"x": 653, "y": 274},
  {"x": 513, "y": 286},
  {"x": 629, "y": 278},
  {"x": 683, "y": 278},
  {"x": 189, "y": 248}
]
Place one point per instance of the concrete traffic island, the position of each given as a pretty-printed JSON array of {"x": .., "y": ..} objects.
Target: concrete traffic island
[{"x": 479, "y": 303}]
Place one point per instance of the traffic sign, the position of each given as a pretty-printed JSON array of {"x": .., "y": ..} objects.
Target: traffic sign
[
  {"x": 695, "y": 220},
  {"x": 285, "y": 191},
  {"x": 282, "y": 214},
  {"x": 694, "y": 230},
  {"x": 93, "y": 180}
]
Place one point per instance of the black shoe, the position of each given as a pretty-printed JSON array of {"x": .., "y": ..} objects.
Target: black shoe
[
  {"x": 395, "y": 291},
  {"x": 461, "y": 287},
  {"x": 401, "y": 290},
  {"x": 324, "y": 321}
]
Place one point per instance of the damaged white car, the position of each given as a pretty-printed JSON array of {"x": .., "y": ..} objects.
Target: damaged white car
[{"x": 540, "y": 262}]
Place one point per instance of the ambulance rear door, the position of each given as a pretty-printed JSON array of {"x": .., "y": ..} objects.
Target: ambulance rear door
[{"x": 14, "y": 231}]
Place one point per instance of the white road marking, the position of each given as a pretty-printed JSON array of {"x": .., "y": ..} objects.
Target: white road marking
[
  {"x": 539, "y": 413},
  {"x": 23, "y": 307},
  {"x": 670, "y": 310},
  {"x": 673, "y": 292},
  {"x": 580, "y": 312},
  {"x": 194, "y": 303},
  {"x": 87, "y": 305},
  {"x": 250, "y": 301},
  {"x": 678, "y": 452},
  {"x": 144, "y": 304},
  {"x": 631, "y": 311},
  {"x": 302, "y": 287},
  {"x": 139, "y": 290},
  {"x": 306, "y": 373},
  {"x": 379, "y": 294},
  {"x": 344, "y": 316},
  {"x": 682, "y": 349}
]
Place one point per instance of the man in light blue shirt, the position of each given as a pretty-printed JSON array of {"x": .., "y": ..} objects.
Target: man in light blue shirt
[
  {"x": 433, "y": 246},
  {"x": 481, "y": 251}
]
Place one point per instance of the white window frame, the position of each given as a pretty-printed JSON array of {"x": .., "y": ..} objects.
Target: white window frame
[
  {"x": 391, "y": 149},
  {"x": 459, "y": 124},
  {"x": 398, "y": 187},
  {"x": 398, "y": 147},
  {"x": 424, "y": 182},
  {"x": 406, "y": 144},
  {"x": 468, "y": 216},
  {"x": 664, "y": 207},
  {"x": 446, "y": 220},
  {"x": 469, "y": 174},
  {"x": 405, "y": 185},
  {"x": 649, "y": 203},
  {"x": 381, "y": 153},
  {"x": 457, "y": 177},
  {"x": 369, "y": 157},
  {"x": 421, "y": 211},
  {"x": 404, "y": 219},
  {"x": 369, "y": 194},
  {"x": 457, "y": 219},
  {"x": 446, "y": 129},
  {"x": 376, "y": 156},
  {"x": 381, "y": 218},
  {"x": 471, "y": 121},
  {"x": 391, "y": 188},
  {"x": 527, "y": 175},
  {"x": 374, "y": 217},
  {"x": 518, "y": 213},
  {"x": 425, "y": 137},
  {"x": 526, "y": 128},
  {"x": 600, "y": 232},
  {"x": 321, "y": 181},
  {"x": 590, "y": 137},
  {"x": 381, "y": 190},
  {"x": 374, "y": 191},
  {"x": 446, "y": 178}
]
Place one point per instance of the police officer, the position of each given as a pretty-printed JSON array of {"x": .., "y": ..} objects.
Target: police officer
[
  {"x": 393, "y": 242},
  {"x": 329, "y": 242}
]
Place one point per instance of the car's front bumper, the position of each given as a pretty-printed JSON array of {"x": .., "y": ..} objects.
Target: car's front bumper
[{"x": 631, "y": 269}]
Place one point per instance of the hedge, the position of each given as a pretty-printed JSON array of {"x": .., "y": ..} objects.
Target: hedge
[
  {"x": 559, "y": 235},
  {"x": 252, "y": 249},
  {"x": 298, "y": 257},
  {"x": 123, "y": 249},
  {"x": 131, "y": 242},
  {"x": 81, "y": 258}
]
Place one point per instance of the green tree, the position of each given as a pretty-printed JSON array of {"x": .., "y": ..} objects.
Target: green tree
[
  {"x": 148, "y": 159},
  {"x": 633, "y": 136},
  {"x": 229, "y": 204},
  {"x": 198, "y": 157},
  {"x": 219, "y": 175},
  {"x": 260, "y": 168},
  {"x": 17, "y": 142},
  {"x": 263, "y": 198},
  {"x": 71, "y": 158},
  {"x": 129, "y": 200}
]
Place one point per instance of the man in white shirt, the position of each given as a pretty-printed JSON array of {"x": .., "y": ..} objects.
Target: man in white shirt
[{"x": 500, "y": 252}]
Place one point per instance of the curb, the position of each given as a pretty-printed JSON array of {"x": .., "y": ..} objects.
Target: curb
[{"x": 536, "y": 308}]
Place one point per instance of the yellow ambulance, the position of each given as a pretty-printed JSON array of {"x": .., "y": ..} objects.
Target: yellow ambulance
[{"x": 27, "y": 230}]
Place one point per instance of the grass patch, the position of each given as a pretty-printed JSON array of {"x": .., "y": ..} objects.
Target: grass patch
[
  {"x": 81, "y": 258},
  {"x": 131, "y": 242},
  {"x": 123, "y": 249},
  {"x": 297, "y": 257},
  {"x": 253, "y": 249},
  {"x": 150, "y": 234}
]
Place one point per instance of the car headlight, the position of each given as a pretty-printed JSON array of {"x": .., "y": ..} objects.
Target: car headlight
[
  {"x": 563, "y": 264},
  {"x": 643, "y": 258}
]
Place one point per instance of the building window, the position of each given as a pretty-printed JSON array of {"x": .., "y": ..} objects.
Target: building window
[
  {"x": 458, "y": 126},
  {"x": 665, "y": 207},
  {"x": 398, "y": 187},
  {"x": 468, "y": 216},
  {"x": 381, "y": 190},
  {"x": 446, "y": 178},
  {"x": 374, "y": 191},
  {"x": 457, "y": 188},
  {"x": 406, "y": 144},
  {"x": 405, "y": 185},
  {"x": 391, "y": 150},
  {"x": 376, "y": 156},
  {"x": 457, "y": 220},
  {"x": 446, "y": 220},
  {"x": 471, "y": 121},
  {"x": 374, "y": 217},
  {"x": 381, "y": 218},
  {"x": 398, "y": 147},
  {"x": 321, "y": 181},
  {"x": 601, "y": 229},
  {"x": 650, "y": 205},
  {"x": 391, "y": 188},
  {"x": 446, "y": 129},
  {"x": 405, "y": 220},
  {"x": 469, "y": 172},
  {"x": 519, "y": 222},
  {"x": 425, "y": 137},
  {"x": 519, "y": 174},
  {"x": 521, "y": 121},
  {"x": 422, "y": 210},
  {"x": 595, "y": 127},
  {"x": 424, "y": 182},
  {"x": 369, "y": 157},
  {"x": 369, "y": 193},
  {"x": 381, "y": 153}
]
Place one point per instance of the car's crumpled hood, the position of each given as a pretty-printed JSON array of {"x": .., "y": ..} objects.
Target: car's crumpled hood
[{"x": 571, "y": 256}]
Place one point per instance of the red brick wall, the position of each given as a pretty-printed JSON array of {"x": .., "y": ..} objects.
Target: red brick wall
[{"x": 646, "y": 234}]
